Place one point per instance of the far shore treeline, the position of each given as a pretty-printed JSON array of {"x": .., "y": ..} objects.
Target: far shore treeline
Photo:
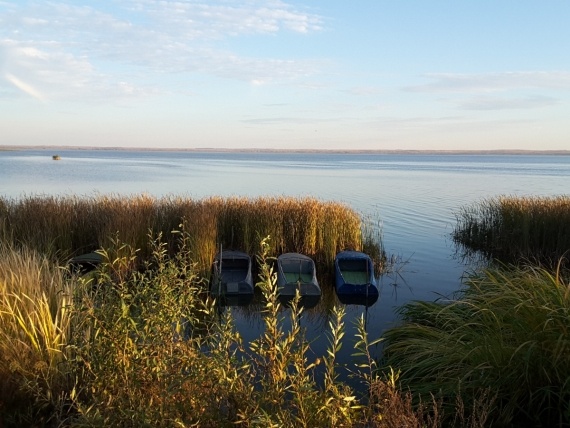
[
  {"x": 140, "y": 342},
  {"x": 269, "y": 150}
]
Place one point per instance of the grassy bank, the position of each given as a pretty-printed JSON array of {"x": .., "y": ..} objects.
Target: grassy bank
[
  {"x": 501, "y": 346},
  {"x": 513, "y": 229}
]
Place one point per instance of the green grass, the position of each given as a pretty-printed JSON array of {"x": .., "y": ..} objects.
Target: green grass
[{"x": 505, "y": 341}]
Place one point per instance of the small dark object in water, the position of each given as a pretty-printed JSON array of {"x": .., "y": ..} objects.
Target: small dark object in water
[
  {"x": 85, "y": 263},
  {"x": 56, "y": 157}
]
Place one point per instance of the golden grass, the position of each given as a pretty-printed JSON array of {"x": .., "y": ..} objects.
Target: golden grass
[
  {"x": 35, "y": 322},
  {"x": 65, "y": 226}
]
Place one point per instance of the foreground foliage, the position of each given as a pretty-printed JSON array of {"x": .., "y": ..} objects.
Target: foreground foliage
[
  {"x": 503, "y": 346},
  {"x": 35, "y": 327},
  {"x": 130, "y": 347}
]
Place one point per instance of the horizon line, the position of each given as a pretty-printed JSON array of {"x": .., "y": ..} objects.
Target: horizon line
[{"x": 279, "y": 150}]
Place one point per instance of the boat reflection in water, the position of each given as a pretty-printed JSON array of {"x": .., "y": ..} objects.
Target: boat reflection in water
[
  {"x": 306, "y": 301},
  {"x": 351, "y": 299},
  {"x": 235, "y": 300}
]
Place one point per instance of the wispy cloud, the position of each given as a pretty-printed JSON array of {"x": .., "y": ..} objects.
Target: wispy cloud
[
  {"x": 494, "y": 82},
  {"x": 497, "y": 91},
  {"x": 287, "y": 121},
  {"x": 62, "y": 49},
  {"x": 503, "y": 103},
  {"x": 24, "y": 87},
  {"x": 49, "y": 74},
  {"x": 364, "y": 91},
  {"x": 218, "y": 19}
]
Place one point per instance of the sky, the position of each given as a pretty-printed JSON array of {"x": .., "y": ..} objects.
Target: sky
[{"x": 272, "y": 74}]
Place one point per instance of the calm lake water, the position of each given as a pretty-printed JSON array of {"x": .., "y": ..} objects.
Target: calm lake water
[{"x": 413, "y": 197}]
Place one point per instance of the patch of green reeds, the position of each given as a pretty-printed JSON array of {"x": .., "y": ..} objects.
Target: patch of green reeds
[
  {"x": 65, "y": 226},
  {"x": 514, "y": 228},
  {"x": 503, "y": 346}
]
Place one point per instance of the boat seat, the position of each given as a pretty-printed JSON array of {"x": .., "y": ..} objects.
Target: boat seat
[
  {"x": 351, "y": 277},
  {"x": 232, "y": 287},
  {"x": 292, "y": 277}
]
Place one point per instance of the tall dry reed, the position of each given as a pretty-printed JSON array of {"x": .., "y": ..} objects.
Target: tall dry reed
[{"x": 65, "y": 226}]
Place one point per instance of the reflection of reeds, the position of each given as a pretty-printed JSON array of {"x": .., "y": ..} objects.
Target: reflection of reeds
[
  {"x": 71, "y": 225},
  {"x": 511, "y": 228},
  {"x": 505, "y": 337}
]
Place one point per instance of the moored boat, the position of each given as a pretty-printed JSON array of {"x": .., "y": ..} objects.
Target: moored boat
[
  {"x": 231, "y": 274},
  {"x": 85, "y": 263},
  {"x": 354, "y": 275},
  {"x": 297, "y": 271}
]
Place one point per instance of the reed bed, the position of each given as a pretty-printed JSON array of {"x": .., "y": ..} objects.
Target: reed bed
[
  {"x": 513, "y": 228},
  {"x": 503, "y": 346},
  {"x": 72, "y": 225}
]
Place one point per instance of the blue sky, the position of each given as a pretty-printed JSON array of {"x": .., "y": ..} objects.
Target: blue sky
[{"x": 328, "y": 74}]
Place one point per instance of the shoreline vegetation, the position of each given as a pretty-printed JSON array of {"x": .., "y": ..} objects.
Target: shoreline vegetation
[
  {"x": 516, "y": 229},
  {"x": 139, "y": 341},
  {"x": 67, "y": 226},
  {"x": 268, "y": 150},
  {"x": 501, "y": 345}
]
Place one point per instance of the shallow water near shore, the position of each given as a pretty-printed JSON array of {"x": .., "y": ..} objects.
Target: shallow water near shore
[{"x": 411, "y": 198}]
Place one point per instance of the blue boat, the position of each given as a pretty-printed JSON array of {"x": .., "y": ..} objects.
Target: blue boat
[
  {"x": 231, "y": 274},
  {"x": 354, "y": 275},
  {"x": 297, "y": 271}
]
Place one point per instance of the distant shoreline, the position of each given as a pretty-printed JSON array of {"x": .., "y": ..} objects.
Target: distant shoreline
[{"x": 266, "y": 150}]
